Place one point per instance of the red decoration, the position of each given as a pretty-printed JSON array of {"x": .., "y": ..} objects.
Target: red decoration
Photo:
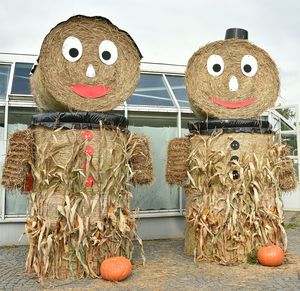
[
  {"x": 90, "y": 181},
  {"x": 115, "y": 269},
  {"x": 270, "y": 256},
  {"x": 228, "y": 104},
  {"x": 87, "y": 135},
  {"x": 84, "y": 166},
  {"x": 89, "y": 150},
  {"x": 29, "y": 183}
]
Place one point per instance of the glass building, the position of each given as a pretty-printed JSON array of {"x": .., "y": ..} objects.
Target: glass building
[{"x": 158, "y": 108}]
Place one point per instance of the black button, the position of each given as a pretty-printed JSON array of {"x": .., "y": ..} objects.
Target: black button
[
  {"x": 234, "y": 159},
  {"x": 235, "y": 145},
  {"x": 235, "y": 174}
]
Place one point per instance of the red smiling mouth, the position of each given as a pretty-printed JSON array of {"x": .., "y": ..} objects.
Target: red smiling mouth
[
  {"x": 233, "y": 105},
  {"x": 89, "y": 91}
]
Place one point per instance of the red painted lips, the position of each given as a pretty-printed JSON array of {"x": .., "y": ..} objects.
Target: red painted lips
[
  {"x": 233, "y": 105},
  {"x": 89, "y": 91}
]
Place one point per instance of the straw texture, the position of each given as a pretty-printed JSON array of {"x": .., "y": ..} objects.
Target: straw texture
[
  {"x": 141, "y": 160},
  {"x": 17, "y": 160},
  {"x": 201, "y": 86},
  {"x": 177, "y": 162},
  {"x": 74, "y": 225},
  {"x": 287, "y": 177},
  {"x": 52, "y": 80},
  {"x": 226, "y": 218}
]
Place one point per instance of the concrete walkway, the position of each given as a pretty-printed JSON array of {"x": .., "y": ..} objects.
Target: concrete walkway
[{"x": 167, "y": 268}]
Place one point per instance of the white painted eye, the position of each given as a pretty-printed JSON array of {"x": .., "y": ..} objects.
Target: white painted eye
[
  {"x": 108, "y": 52},
  {"x": 249, "y": 65},
  {"x": 72, "y": 49},
  {"x": 215, "y": 65}
]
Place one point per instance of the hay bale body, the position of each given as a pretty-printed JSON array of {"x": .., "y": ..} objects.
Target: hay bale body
[
  {"x": 74, "y": 225},
  {"x": 53, "y": 79},
  {"x": 233, "y": 206}
]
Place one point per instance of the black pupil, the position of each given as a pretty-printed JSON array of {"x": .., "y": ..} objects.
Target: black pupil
[
  {"x": 73, "y": 52},
  {"x": 216, "y": 68},
  {"x": 247, "y": 68},
  {"x": 106, "y": 55}
]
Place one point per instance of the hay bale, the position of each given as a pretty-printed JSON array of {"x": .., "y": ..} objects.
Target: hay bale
[
  {"x": 228, "y": 215},
  {"x": 201, "y": 86},
  {"x": 287, "y": 179},
  {"x": 141, "y": 161},
  {"x": 19, "y": 155},
  {"x": 177, "y": 162},
  {"x": 54, "y": 76}
]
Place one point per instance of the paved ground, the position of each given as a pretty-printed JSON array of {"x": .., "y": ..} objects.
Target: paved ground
[{"x": 166, "y": 269}]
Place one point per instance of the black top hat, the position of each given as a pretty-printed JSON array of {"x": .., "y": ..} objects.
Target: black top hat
[{"x": 238, "y": 33}]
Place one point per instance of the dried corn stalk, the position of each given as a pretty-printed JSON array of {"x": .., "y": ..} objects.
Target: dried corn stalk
[
  {"x": 73, "y": 227},
  {"x": 227, "y": 217}
]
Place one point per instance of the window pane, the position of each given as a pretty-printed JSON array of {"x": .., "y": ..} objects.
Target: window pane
[
  {"x": 285, "y": 126},
  {"x": 296, "y": 167},
  {"x": 15, "y": 203},
  {"x": 289, "y": 114},
  {"x": 21, "y": 79},
  {"x": 151, "y": 91},
  {"x": 18, "y": 119},
  {"x": 178, "y": 86},
  {"x": 159, "y": 195},
  {"x": 291, "y": 140},
  {"x": 4, "y": 76},
  {"x": 2, "y": 153}
]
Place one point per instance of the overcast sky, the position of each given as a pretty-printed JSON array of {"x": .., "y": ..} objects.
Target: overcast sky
[{"x": 168, "y": 31}]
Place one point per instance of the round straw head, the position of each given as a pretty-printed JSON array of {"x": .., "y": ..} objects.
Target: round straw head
[
  {"x": 86, "y": 64},
  {"x": 231, "y": 79}
]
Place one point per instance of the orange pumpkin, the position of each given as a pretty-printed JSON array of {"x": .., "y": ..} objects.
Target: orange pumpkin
[
  {"x": 115, "y": 269},
  {"x": 270, "y": 256}
]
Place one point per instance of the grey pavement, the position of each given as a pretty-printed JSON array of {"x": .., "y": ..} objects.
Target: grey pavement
[{"x": 167, "y": 268}]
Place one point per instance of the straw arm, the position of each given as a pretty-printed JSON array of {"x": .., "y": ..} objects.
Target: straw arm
[
  {"x": 141, "y": 160},
  {"x": 16, "y": 165},
  {"x": 177, "y": 163},
  {"x": 287, "y": 176}
]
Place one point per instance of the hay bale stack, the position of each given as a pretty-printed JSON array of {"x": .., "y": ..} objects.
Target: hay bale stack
[
  {"x": 54, "y": 76},
  {"x": 233, "y": 206},
  {"x": 235, "y": 169},
  {"x": 84, "y": 162},
  {"x": 75, "y": 224},
  {"x": 202, "y": 86}
]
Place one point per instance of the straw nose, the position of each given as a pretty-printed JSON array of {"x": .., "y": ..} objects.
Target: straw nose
[
  {"x": 233, "y": 84},
  {"x": 90, "y": 72}
]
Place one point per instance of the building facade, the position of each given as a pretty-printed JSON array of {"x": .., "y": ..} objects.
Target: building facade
[{"x": 159, "y": 108}]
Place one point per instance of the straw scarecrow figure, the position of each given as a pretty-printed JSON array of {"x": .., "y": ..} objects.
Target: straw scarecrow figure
[
  {"x": 232, "y": 169},
  {"x": 82, "y": 158}
]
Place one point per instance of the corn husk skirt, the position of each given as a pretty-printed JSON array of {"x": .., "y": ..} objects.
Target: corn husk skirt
[
  {"x": 80, "y": 203},
  {"x": 233, "y": 200}
]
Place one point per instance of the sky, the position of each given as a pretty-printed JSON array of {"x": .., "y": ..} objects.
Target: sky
[{"x": 168, "y": 31}]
